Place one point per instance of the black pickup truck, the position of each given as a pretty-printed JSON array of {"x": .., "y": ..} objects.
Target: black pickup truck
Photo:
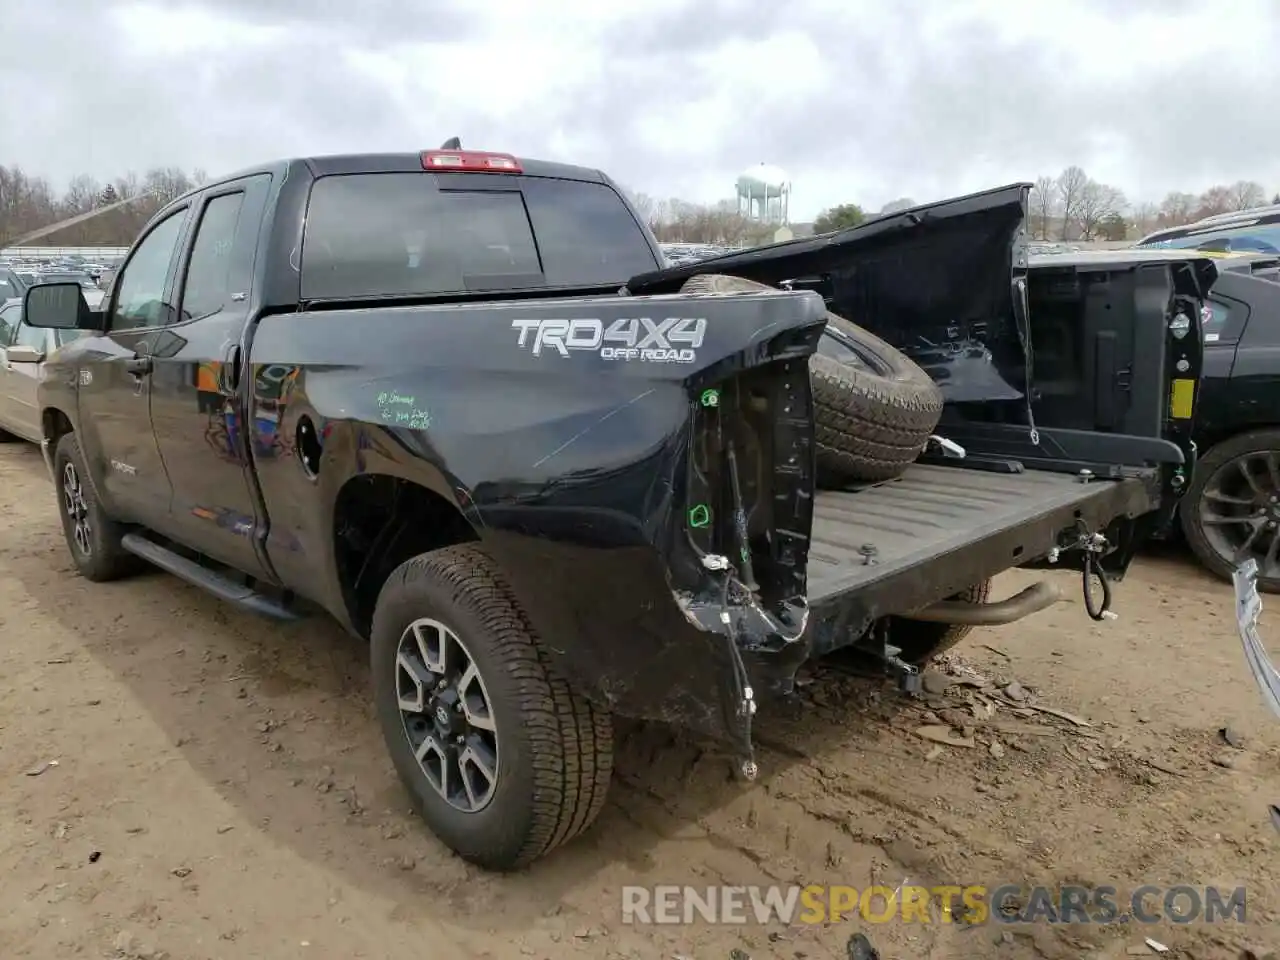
[{"x": 454, "y": 400}]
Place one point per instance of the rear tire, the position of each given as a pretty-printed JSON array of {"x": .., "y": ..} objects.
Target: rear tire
[
  {"x": 923, "y": 640},
  {"x": 550, "y": 751},
  {"x": 872, "y": 420},
  {"x": 93, "y": 538}
]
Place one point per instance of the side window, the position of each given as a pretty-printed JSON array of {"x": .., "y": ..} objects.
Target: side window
[
  {"x": 9, "y": 318},
  {"x": 140, "y": 302},
  {"x": 1223, "y": 320},
  {"x": 208, "y": 280},
  {"x": 31, "y": 337}
]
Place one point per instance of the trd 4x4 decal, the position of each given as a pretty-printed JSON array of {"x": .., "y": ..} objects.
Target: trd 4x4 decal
[{"x": 673, "y": 340}]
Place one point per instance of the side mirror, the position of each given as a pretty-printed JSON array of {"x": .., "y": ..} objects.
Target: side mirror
[
  {"x": 58, "y": 306},
  {"x": 24, "y": 354}
]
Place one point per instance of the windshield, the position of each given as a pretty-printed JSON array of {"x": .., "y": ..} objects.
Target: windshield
[
  {"x": 399, "y": 234},
  {"x": 1256, "y": 238}
]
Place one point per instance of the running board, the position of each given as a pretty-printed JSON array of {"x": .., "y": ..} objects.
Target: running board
[{"x": 221, "y": 587}]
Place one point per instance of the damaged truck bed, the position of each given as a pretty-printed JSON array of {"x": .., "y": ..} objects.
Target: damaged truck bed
[
  {"x": 1064, "y": 441},
  {"x": 897, "y": 546}
]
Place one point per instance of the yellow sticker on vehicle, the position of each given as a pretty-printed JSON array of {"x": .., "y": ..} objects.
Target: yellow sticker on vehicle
[{"x": 1182, "y": 399}]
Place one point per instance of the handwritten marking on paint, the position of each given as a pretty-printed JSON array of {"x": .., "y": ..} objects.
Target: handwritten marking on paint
[{"x": 402, "y": 410}]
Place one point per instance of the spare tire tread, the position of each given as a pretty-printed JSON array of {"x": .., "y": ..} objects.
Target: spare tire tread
[{"x": 868, "y": 426}]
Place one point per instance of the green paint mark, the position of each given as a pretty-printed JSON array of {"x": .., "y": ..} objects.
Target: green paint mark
[
  {"x": 711, "y": 398},
  {"x": 699, "y": 516},
  {"x": 402, "y": 410}
]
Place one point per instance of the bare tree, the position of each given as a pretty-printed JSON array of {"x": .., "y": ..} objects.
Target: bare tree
[
  {"x": 1217, "y": 199},
  {"x": 28, "y": 204},
  {"x": 1095, "y": 203},
  {"x": 1043, "y": 198},
  {"x": 1146, "y": 216},
  {"x": 1246, "y": 194},
  {"x": 649, "y": 208},
  {"x": 1071, "y": 183},
  {"x": 1177, "y": 209}
]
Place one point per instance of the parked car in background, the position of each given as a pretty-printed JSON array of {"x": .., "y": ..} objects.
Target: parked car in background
[
  {"x": 19, "y": 412},
  {"x": 11, "y": 284},
  {"x": 1265, "y": 265},
  {"x": 1242, "y": 231},
  {"x": 1231, "y": 509},
  {"x": 92, "y": 292}
]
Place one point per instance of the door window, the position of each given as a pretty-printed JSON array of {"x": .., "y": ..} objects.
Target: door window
[
  {"x": 9, "y": 318},
  {"x": 141, "y": 286},
  {"x": 1223, "y": 320},
  {"x": 208, "y": 282},
  {"x": 31, "y": 337}
]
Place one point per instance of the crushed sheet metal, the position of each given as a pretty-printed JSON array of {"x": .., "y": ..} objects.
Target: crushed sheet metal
[{"x": 1248, "y": 609}]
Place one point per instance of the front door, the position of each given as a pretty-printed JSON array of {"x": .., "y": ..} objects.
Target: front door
[
  {"x": 197, "y": 396},
  {"x": 115, "y": 380}
]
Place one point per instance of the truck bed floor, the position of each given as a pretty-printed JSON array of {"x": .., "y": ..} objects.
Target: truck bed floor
[{"x": 931, "y": 512}]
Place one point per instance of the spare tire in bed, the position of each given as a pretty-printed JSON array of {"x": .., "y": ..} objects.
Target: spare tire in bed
[{"x": 874, "y": 408}]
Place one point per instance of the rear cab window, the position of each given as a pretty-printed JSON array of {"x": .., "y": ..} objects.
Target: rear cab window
[{"x": 372, "y": 235}]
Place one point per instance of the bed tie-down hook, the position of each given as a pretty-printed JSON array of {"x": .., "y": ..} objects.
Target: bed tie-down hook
[{"x": 1094, "y": 546}]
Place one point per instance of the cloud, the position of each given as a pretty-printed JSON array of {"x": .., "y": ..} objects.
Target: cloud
[{"x": 863, "y": 101}]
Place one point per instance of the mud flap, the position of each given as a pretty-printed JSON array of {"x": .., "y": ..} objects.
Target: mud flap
[{"x": 1248, "y": 609}]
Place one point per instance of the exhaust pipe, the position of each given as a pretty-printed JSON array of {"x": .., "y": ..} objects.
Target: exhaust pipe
[{"x": 1033, "y": 599}]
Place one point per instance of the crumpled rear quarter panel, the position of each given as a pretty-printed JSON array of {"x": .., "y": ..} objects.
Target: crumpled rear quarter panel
[{"x": 570, "y": 467}]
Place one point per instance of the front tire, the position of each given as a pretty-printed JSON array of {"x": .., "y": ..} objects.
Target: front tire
[
  {"x": 502, "y": 759},
  {"x": 93, "y": 538}
]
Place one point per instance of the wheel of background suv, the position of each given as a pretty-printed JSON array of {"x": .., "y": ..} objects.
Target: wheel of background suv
[
  {"x": 502, "y": 759},
  {"x": 921, "y": 640},
  {"x": 874, "y": 407},
  {"x": 92, "y": 537},
  {"x": 7, "y": 437},
  {"x": 1231, "y": 511}
]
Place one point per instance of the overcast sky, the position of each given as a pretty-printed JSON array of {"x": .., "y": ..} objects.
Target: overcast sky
[{"x": 857, "y": 100}]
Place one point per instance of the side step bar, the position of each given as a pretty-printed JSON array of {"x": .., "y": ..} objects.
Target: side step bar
[{"x": 215, "y": 583}]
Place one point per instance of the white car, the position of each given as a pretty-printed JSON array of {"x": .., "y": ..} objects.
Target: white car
[{"x": 19, "y": 411}]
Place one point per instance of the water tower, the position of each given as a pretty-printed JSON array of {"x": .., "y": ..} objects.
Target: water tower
[{"x": 764, "y": 194}]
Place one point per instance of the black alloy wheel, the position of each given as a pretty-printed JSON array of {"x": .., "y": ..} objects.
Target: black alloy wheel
[{"x": 1232, "y": 510}]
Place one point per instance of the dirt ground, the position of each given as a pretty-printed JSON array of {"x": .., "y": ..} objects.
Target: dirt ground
[{"x": 181, "y": 780}]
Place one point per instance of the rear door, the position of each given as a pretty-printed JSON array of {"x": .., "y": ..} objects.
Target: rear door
[
  {"x": 196, "y": 411},
  {"x": 115, "y": 379}
]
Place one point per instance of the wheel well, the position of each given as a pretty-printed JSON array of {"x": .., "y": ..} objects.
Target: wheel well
[
  {"x": 1221, "y": 437},
  {"x": 55, "y": 424},
  {"x": 379, "y": 522}
]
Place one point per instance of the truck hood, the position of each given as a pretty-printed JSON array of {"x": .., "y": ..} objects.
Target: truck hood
[{"x": 943, "y": 282}]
